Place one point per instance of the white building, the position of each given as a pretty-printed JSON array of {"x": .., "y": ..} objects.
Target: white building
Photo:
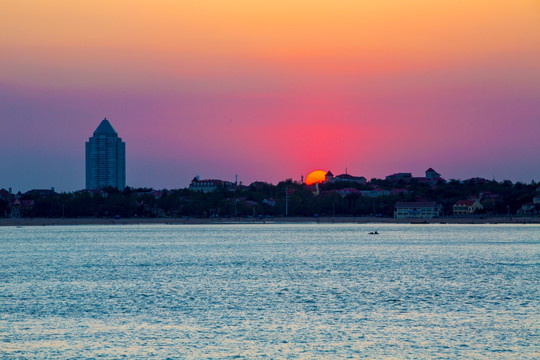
[
  {"x": 417, "y": 210},
  {"x": 527, "y": 209},
  {"x": 467, "y": 207},
  {"x": 105, "y": 159}
]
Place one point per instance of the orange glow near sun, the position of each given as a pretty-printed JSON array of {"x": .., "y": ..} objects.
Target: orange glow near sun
[{"x": 317, "y": 176}]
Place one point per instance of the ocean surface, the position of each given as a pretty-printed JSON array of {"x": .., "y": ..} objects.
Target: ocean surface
[{"x": 272, "y": 291}]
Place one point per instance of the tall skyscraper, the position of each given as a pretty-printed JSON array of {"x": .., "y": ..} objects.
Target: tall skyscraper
[{"x": 105, "y": 159}]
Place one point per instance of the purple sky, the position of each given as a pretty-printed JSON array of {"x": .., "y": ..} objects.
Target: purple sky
[{"x": 272, "y": 91}]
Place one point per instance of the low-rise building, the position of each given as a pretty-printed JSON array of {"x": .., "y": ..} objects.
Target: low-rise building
[
  {"x": 432, "y": 174},
  {"x": 209, "y": 185},
  {"x": 417, "y": 210},
  {"x": 349, "y": 178},
  {"x": 20, "y": 205},
  {"x": 527, "y": 209},
  {"x": 467, "y": 207},
  {"x": 375, "y": 192},
  {"x": 406, "y": 177},
  {"x": 329, "y": 177},
  {"x": 432, "y": 177}
]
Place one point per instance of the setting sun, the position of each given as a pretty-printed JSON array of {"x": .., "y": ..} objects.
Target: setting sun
[{"x": 317, "y": 176}]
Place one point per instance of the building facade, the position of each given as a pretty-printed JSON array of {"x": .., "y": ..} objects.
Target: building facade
[
  {"x": 349, "y": 178},
  {"x": 467, "y": 207},
  {"x": 105, "y": 159},
  {"x": 417, "y": 210},
  {"x": 432, "y": 174},
  {"x": 209, "y": 185}
]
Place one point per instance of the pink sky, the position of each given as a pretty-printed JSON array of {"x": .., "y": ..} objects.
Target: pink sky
[{"x": 270, "y": 90}]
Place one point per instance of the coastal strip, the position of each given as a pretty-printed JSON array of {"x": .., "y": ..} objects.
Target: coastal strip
[{"x": 273, "y": 220}]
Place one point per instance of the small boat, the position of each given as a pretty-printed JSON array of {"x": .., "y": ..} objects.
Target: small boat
[{"x": 373, "y": 232}]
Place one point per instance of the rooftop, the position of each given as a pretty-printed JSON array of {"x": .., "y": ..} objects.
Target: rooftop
[{"x": 105, "y": 128}]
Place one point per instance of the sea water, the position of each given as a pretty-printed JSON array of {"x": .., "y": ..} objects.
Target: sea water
[{"x": 270, "y": 291}]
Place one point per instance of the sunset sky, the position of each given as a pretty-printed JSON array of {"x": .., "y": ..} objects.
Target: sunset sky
[{"x": 270, "y": 90}]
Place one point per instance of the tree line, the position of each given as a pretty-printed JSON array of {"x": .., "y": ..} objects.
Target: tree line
[{"x": 267, "y": 200}]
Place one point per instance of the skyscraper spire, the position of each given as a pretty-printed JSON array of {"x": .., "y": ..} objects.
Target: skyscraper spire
[{"x": 105, "y": 128}]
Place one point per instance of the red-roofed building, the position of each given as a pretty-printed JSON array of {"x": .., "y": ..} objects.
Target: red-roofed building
[
  {"x": 17, "y": 205},
  {"x": 467, "y": 207}
]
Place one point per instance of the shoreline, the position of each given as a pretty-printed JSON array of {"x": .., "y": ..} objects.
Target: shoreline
[{"x": 276, "y": 220}]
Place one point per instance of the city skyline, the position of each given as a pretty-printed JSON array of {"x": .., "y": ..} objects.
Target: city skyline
[{"x": 270, "y": 90}]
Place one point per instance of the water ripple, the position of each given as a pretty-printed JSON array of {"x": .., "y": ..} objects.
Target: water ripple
[{"x": 270, "y": 291}]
